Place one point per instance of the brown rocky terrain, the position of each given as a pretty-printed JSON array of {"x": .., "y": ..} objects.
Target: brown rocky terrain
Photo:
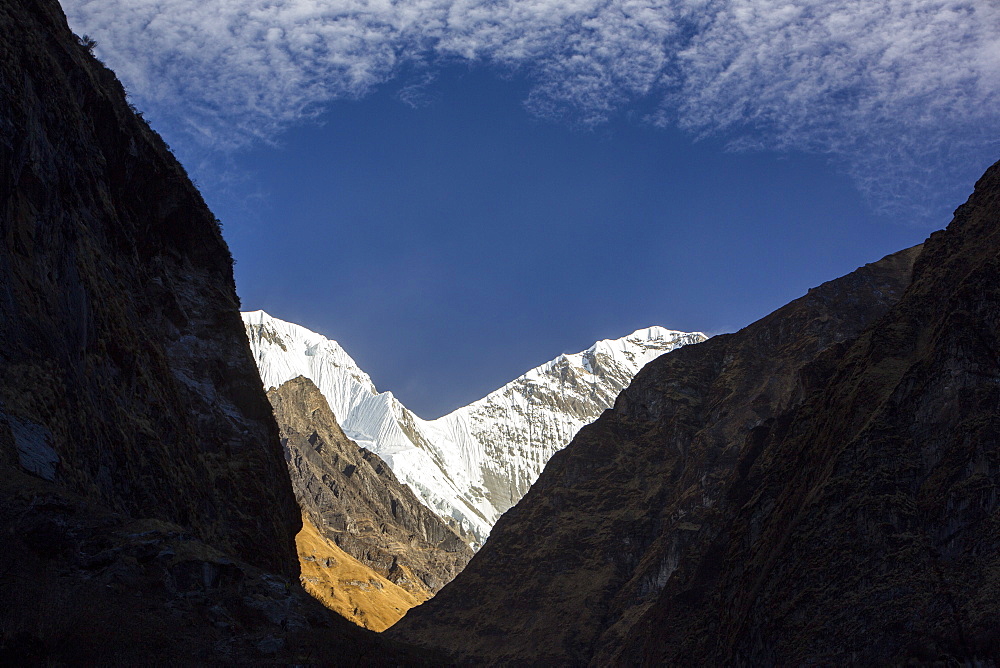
[
  {"x": 569, "y": 570},
  {"x": 126, "y": 373},
  {"x": 84, "y": 585},
  {"x": 352, "y": 500},
  {"x": 818, "y": 488},
  {"x": 863, "y": 524},
  {"x": 146, "y": 514},
  {"x": 348, "y": 587}
]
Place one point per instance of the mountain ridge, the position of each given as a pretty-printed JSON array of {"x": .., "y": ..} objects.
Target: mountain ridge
[
  {"x": 819, "y": 488},
  {"x": 353, "y": 501},
  {"x": 474, "y": 463},
  {"x": 146, "y": 515},
  {"x": 571, "y": 568},
  {"x": 884, "y": 544}
]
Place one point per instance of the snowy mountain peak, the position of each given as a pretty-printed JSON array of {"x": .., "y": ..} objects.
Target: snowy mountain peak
[
  {"x": 284, "y": 350},
  {"x": 476, "y": 462}
]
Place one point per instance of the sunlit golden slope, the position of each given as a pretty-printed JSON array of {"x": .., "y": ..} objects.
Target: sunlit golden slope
[{"x": 348, "y": 587}]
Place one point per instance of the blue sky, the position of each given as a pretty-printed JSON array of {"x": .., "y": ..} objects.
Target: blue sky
[{"x": 458, "y": 192}]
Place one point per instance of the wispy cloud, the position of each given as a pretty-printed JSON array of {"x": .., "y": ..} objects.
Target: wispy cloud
[{"x": 905, "y": 94}]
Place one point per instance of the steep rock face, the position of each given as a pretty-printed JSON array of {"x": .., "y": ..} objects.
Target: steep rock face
[
  {"x": 864, "y": 524},
  {"x": 354, "y": 500},
  {"x": 127, "y": 377},
  {"x": 145, "y": 510},
  {"x": 638, "y": 495},
  {"x": 473, "y": 464}
]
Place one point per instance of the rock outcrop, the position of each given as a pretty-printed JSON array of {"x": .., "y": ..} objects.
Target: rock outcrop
[
  {"x": 84, "y": 585},
  {"x": 353, "y": 500},
  {"x": 146, "y": 514},
  {"x": 640, "y": 495}
]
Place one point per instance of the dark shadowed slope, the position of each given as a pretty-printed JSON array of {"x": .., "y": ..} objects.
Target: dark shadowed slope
[
  {"x": 641, "y": 492},
  {"x": 146, "y": 514},
  {"x": 354, "y": 501},
  {"x": 864, "y": 525},
  {"x": 807, "y": 490},
  {"x": 125, "y": 366}
]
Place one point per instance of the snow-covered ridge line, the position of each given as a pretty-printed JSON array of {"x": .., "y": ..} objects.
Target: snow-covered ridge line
[{"x": 476, "y": 462}]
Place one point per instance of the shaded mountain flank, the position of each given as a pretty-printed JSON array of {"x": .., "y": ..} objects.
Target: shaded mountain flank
[
  {"x": 612, "y": 516},
  {"x": 146, "y": 513},
  {"x": 351, "y": 498},
  {"x": 820, "y": 487}
]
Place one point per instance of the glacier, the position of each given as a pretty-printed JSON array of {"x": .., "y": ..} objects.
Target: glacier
[{"x": 473, "y": 464}]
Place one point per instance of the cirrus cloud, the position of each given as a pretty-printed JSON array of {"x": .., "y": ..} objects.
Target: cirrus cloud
[{"x": 904, "y": 94}]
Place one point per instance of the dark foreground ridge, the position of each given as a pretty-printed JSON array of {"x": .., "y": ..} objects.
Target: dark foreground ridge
[
  {"x": 146, "y": 513},
  {"x": 820, "y": 487}
]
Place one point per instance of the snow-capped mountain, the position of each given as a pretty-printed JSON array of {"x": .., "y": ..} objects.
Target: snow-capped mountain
[{"x": 476, "y": 462}]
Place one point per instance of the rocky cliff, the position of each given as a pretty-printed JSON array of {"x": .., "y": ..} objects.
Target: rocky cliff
[
  {"x": 353, "y": 500},
  {"x": 146, "y": 514},
  {"x": 641, "y": 495},
  {"x": 127, "y": 377},
  {"x": 862, "y": 524}
]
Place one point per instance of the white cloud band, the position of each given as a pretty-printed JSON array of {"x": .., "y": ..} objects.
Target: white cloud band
[{"x": 895, "y": 89}]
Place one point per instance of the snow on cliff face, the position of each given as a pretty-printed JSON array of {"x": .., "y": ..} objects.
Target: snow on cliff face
[{"x": 476, "y": 462}]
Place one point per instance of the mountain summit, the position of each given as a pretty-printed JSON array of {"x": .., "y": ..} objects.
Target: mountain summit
[{"x": 476, "y": 462}]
